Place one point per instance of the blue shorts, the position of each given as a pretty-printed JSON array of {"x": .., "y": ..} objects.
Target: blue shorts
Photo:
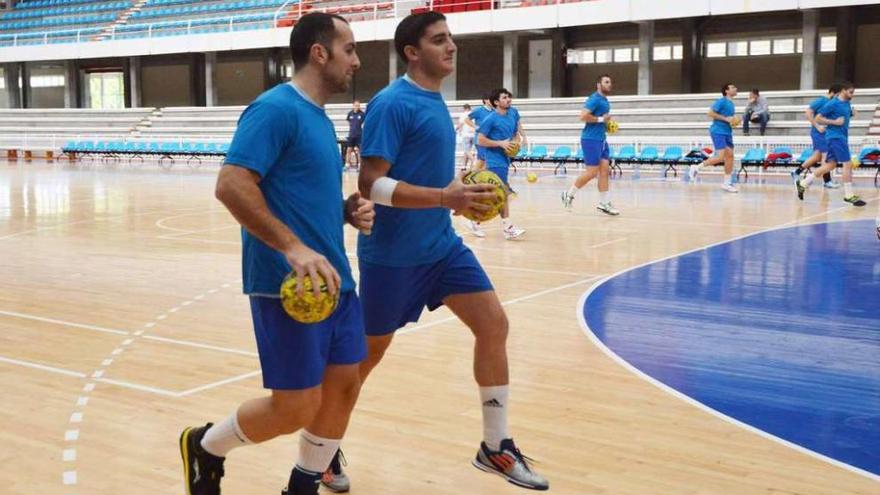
[
  {"x": 394, "y": 296},
  {"x": 501, "y": 172},
  {"x": 293, "y": 355},
  {"x": 481, "y": 153},
  {"x": 819, "y": 142},
  {"x": 594, "y": 151},
  {"x": 721, "y": 141},
  {"x": 838, "y": 151}
]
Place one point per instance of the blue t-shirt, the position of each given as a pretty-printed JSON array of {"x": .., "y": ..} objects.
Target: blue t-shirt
[
  {"x": 499, "y": 127},
  {"x": 598, "y": 106},
  {"x": 816, "y": 106},
  {"x": 409, "y": 127},
  {"x": 291, "y": 143},
  {"x": 834, "y": 109},
  {"x": 722, "y": 106},
  {"x": 478, "y": 115}
]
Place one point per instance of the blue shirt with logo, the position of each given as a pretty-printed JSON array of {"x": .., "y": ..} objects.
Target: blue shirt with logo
[
  {"x": 832, "y": 110},
  {"x": 724, "y": 107},
  {"x": 291, "y": 144},
  {"x": 410, "y": 128},
  {"x": 598, "y": 106},
  {"x": 499, "y": 127},
  {"x": 816, "y": 106}
]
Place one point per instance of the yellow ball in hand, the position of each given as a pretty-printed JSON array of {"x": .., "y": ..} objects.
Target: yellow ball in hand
[
  {"x": 307, "y": 308},
  {"x": 611, "y": 126},
  {"x": 855, "y": 162},
  {"x": 496, "y": 203}
]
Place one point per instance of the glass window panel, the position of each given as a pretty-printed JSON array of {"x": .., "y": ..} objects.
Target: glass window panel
[
  {"x": 759, "y": 47},
  {"x": 715, "y": 50}
]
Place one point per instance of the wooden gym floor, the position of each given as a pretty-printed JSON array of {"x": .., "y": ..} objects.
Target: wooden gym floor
[{"x": 122, "y": 321}]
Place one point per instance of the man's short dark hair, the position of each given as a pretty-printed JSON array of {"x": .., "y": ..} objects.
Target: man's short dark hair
[
  {"x": 496, "y": 96},
  {"x": 312, "y": 28},
  {"x": 602, "y": 76},
  {"x": 846, "y": 85},
  {"x": 467, "y": 106},
  {"x": 725, "y": 88},
  {"x": 835, "y": 88},
  {"x": 756, "y": 92},
  {"x": 412, "y": 28},
  {"x": 487, "y": 97}
]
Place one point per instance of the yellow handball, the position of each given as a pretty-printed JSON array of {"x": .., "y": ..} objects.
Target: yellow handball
[
  {"x": 611, "y": 126},
  {"x": 855, "y": 162},
  {"x": 514, "y": 150},
  {"x": 736, "y": 122},
  {"x": 532, "y": 177},
  {"x": 307, "y": 308},
  {"x": 497, "y": 203}
]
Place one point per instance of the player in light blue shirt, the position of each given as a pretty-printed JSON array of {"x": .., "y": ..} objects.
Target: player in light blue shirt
[
  {"x": 595, "y": 114},
  {"x": 282, "y": 182},
  {"x": 476, "y": 118},
  {"x": 499, "y": 133},
  {"x": 721, "y": 131},
  {"x": 835, "y": 115},
  {"x": 817, "y": 136},
  {"x": 414, "y": 259}
]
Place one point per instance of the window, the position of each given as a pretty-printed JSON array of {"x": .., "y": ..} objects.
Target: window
[
  {"x": 759, "y": 47},
  {"x": 737, "y": 48},
  {"x": 622, "y": 55},
  {"x": 662, "y": 53},
  {"x": 783, "y": 47},
  {"x": 800, "y": 45},
  {"x": 716, "y": 50},
  {"x": 828, "y": 43},
  {"x": 603, "y": 56},
  {"x": 47, "y": 81},
  {"x": 106, "y": 90},
  {"x": 677, "y": 51}
]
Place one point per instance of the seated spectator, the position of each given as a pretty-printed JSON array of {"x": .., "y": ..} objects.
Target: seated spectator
[{"x": 757, "y": 112}]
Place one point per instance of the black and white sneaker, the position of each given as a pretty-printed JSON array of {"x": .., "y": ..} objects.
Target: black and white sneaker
[
  {"x": 509, "y": 463},
  {"x": 334, "y": 479},
  {"x": 202, "y": 471}
]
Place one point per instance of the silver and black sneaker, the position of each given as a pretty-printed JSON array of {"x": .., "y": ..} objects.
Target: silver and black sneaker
[
  {"x": 509, "y": 463},
  {"x": 334, "y": 479}
]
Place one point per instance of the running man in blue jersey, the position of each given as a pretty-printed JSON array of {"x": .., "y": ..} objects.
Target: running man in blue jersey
[
  {"x": 835, "y": 116},
  {"x": 595, "y": 113},
  {"x": 817, "y": 135},
  {"x": 498, "y": 134},
  {"x": 477, "y": 116},
  {"x": 414, "y": 259},
  {"x": 282, "y": 181},
  {"x": 721, "y": 131}
]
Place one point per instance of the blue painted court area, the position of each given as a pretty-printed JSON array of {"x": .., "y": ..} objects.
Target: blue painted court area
[{"x": 779, "y": 330}]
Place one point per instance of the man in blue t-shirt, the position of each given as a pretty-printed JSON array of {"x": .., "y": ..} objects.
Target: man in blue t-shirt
[
  {"x": 721, "y": 131},
  {"x": 413, "y": 259},
  {"x": 835, "y": 116},
  {"x": 817, "y": 135},
  {"x": 282, "y": 181},
  {"x": 595, "y": 114},
  {"x": 476, "y": 118},
  {"x": 498, "y": 134},
  {"x": 355, "y": 120}
]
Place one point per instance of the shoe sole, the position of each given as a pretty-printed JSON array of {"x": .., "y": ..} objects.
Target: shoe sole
[
  {"x": 184, "y": 454},
  {"x": 612, "y": 214},
  {"x": 336, "y": 490},
  {"x": 491, "y": 470}
]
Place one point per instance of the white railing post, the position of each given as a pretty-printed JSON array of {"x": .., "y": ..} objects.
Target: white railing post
[
  {"x": 189, "y": 26},
  {"x": 278, "y": 12}
]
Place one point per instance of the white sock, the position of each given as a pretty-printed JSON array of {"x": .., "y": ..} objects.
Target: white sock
[
  {"x": 700, "y": 166},
  {"x": 316, "y": 453},
  {"x": 572, "y": 190},
  {"x": 505, "y": 222},
  {"x": 728, "y": 179},
  {"x": 847, "y": 189},
  {"x": 494, "y": 400},
  {"x": 224, "y": 436},
  {"x": 808, "y": 181},
  {"x": 603, "y": 196}
]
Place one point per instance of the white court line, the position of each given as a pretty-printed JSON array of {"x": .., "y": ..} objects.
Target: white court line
[
  {"x": 69, "y": 477},
  {"x": 71, "y": 435},
  {"x": 42, "y": 367},
  {"x": 63, "y": 323},
  {"x": 201, "y": 346},
  {"x": 505, "y": 303},
  {"x": 203, "y": 241},
  {"x": 181, "y": 233},
  {"x": 218, "y": 383},
  {"x": 142, "y": 388},
  {"x": 613, "y": 241},
  {"x": 160, "y": 223},
  {"x": 579, "y": 313}
]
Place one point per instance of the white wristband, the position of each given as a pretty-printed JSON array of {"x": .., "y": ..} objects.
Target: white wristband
[
  {"x": 600, "y": 120},
  {"x": 383, "y": 190}
]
